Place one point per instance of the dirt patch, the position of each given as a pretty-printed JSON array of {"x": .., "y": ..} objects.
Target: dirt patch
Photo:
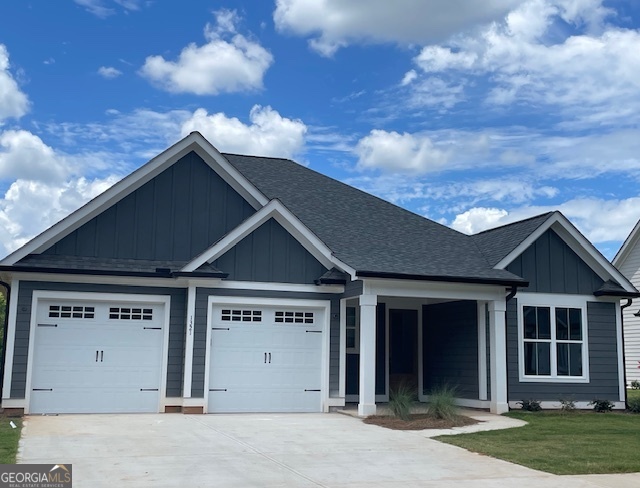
[{"x": 419, "y": 422}]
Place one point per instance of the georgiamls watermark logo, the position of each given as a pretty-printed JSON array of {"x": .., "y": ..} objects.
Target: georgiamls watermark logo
[{"x": 35, "y": 476}]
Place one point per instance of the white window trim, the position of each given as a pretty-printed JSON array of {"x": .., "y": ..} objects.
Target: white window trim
[
  {"x": 553, "y": 301},
  {"x": 356, "y": 349}
]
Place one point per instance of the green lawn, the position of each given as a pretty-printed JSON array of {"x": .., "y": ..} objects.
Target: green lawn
[
  {"x": 633, "y": 394},
  {"x": 573, "y": 443},
  {"x": 9, "y": 438}
]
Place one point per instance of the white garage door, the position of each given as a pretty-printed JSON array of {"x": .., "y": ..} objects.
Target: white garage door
[
  {"x": 97, "y": 357},
  {"x": 265, "y": 359}
]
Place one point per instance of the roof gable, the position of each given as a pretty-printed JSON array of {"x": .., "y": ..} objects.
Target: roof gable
[
  {"x": 569, "y": 234},
  {"x": 174, "y": 216},
  {"x": 270, "y": 254},
  {"x": 627, "y": 246},
  {"x": 193, "y": 142}
]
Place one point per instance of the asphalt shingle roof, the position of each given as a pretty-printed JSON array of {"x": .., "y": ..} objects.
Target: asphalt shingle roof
[
  {"x": 366, "y": 232},
  {"x": 496, "y": 243}
]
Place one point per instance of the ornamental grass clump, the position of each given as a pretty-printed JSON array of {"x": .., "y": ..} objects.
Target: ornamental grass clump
[
  {"x": 442, "y": 403},
  {"x": 401, "y": 399}
]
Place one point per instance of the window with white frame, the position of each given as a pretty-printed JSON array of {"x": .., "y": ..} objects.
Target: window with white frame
[
  {"x": 553, "y": 342},
  {"x": 352, "y": 329}
]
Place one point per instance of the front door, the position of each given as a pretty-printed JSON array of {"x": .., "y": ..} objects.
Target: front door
[{"x": 403, "y": 348}]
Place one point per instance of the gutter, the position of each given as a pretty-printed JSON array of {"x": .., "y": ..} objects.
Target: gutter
[
  {"x": 624, "y": 359},
  {"x": 451, "y": 279},
  {"x": 159, "y": 272},
  {"x": 5, "y": 328}
]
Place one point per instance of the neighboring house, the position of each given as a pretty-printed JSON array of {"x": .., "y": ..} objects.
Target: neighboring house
[
  {"x": 208, "y": 282},
  {"x": 628, "y": 262}
]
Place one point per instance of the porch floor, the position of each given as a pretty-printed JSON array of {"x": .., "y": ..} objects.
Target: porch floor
[{"x": 486, "y": 420}]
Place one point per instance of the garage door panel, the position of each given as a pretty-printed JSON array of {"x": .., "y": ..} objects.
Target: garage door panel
[
  {"x": 268, "y": 366},
  {"x": 101, "y": 360}
]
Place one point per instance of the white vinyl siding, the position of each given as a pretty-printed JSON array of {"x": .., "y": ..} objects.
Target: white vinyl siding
[{"x": 631, "y": 269}]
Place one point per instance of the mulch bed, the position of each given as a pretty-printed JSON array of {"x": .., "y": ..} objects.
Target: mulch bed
[{"x": 419, "y": 422}]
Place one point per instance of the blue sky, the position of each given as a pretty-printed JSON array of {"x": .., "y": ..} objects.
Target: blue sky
[{"x": 473, "y": 114}]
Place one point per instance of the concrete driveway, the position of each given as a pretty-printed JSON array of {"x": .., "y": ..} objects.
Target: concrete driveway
[{"x": 266, "y": 450}]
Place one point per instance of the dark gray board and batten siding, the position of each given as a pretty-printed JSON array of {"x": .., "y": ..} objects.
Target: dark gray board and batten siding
[
  {"x": 175, "y": 361},
  {"x": 551, "y": 266},
  {"x": 175, "y": 216},
  {"x": 270, "y": 254},
  {"x": 200, "y": 330}
]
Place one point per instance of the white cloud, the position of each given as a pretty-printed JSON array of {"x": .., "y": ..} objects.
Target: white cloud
[
  {"x": 13, "y": 102},
  {"x": 24, "y": 155},
  {"x": 268, "y": 134},
  {"x": 229, "y": 62},
  {"x": 109, "y": 72},
  {"x": 30, "y": 207},
  {"x": 333, "y": 24},
  {"x": 600, "y": 220},
  {"x": 479, "y": 219},
  {"x": 590, "y": 74},
  {"x": 408, "y": 77},
  {"x": 98, "y": 8}
]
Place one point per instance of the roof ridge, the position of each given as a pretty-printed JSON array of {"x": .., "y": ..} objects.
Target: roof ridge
[
  {"x": 551, "y": 212},
  {"x": 259, "y": 157}
]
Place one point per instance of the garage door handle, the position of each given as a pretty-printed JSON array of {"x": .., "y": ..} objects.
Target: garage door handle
[
  {"x": 265, "y": 358},
  {"x": 101, "y": 355},
  {"x": 97, "y": 356},
  {"x": 269, "y": 358}
]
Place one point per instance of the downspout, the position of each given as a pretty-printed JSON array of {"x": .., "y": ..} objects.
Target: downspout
[
  {"x": 512, "y": 293},
  {"x": 5, "y": 329},
  {"x": 624, "y": 359}
]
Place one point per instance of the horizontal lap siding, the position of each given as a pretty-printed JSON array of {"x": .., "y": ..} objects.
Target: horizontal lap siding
[
  {"x": 450, "y": 347},
  {"x": 603, "y": 362},
  {"x": 175, "y": 360},
  {"x": 200, "y": 330},
  {"x": 631, "y": 269}
]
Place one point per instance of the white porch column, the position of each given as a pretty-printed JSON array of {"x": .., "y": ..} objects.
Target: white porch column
[
  {"x": 367, "y": 403},
  {"x": 188, "y": 352},
  {"x": 498, "y": 354}
]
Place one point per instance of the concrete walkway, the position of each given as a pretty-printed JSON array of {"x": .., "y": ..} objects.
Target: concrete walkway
[{"x": 268, "y": 450}]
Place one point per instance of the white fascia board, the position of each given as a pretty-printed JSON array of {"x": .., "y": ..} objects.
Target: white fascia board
[
  {"x": 276, "y": 210},
  {"x": 432, "y": 289},
  {"x": 193, "y": 142},
  {"x": 629, "y": 243},
  {"x": 577, "y": 242}
]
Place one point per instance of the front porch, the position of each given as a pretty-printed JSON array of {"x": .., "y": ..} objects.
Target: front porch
[{"x": 424, "y": 335}]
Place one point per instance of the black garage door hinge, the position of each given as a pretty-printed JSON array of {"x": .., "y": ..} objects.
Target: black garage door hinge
[
  {"x": 219, "y": 328},
  {"x": 148, "y": 389},
  {"x": 152, "y": 328},
  {"x": 217, "y": 389},
  {"x": 314, "y": 331},
  {"x": 42, "y": 389},
  {"x": 312, "y": 390},
  {"x": 47, "y": 325}
]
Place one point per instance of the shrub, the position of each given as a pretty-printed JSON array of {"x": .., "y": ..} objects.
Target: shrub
[
  {"x": 567, "y": 405},
  {"x": 635, "y": 384},
  {"x": 602, "y": 405},
  {"x": 400, "y": 401},
  {"x": 633, "y": 405},
  {"x": 442, "y": 403},
  {"x": 530, "y": 405}
]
